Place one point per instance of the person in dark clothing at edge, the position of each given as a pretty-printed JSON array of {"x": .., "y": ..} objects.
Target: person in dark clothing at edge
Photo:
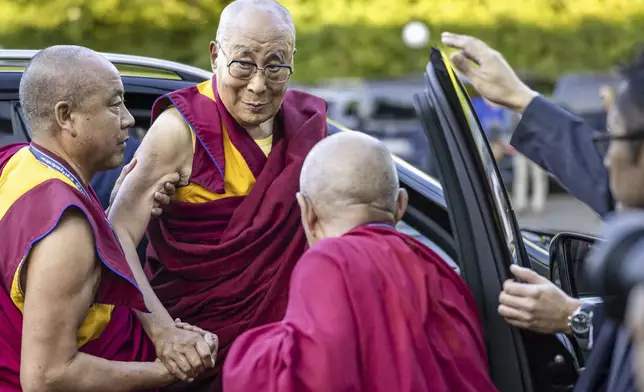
[{"x": 562, "y": 144}]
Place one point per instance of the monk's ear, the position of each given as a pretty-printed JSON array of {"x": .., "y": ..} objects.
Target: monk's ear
[
  {"x": 306, "y": 209},
  {"x": 309, "y": 219},
  {"x": 214, "y": 51},
  {"x": 401, "y": 204},
  {"x": 63, "y": 117}
]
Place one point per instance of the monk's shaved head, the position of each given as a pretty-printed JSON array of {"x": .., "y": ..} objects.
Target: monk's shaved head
[
  {"x": 59, "y": 73},
  {"x": 349, "y": 169},
  {"x": 241, "y": 14}
]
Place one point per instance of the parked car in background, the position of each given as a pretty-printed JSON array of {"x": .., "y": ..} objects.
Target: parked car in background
[
  {"x": 466, "y": 217},
  {"x": 580, "y": 94},
  {"x": 383, "y": 109}
]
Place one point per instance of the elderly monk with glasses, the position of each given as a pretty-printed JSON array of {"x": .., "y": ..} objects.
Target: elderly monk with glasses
[{"x": 221, "y": 255}]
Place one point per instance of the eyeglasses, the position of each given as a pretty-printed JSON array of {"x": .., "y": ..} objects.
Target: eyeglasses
[
  {"x": 602, "y": 140},
  {"x": 245, "y": 70}
]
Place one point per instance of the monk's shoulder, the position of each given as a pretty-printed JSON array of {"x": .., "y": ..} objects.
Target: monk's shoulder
[
  {"x": 168, "y": 142},
  {"x": 65, "y": 257},
  {"x": 64, "y": 217},
  {"x": 170, "y": 114},
  {"x": 69, "y": 244},
  {"x": 322, "y": 262},
  {"x": 170, "y": 129},
  {"x": 343, "y": 259},
  {"x": 37, "y": 196},
  {"x": 73, "y": 223},
  {"x": 336, "y": 251}
]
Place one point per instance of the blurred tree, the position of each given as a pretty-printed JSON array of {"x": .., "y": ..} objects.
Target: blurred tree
[{"x": 343, "y": 37}]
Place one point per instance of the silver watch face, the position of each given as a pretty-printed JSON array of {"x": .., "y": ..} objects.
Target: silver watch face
[{"x": 580, "y": 323}]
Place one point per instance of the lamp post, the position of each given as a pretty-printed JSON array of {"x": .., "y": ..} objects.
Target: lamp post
[{"x": 415, "y": 35}]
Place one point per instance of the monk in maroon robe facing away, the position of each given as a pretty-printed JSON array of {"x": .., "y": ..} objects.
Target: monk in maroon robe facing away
[
  {"x": 369, "y": 309},
  {"x": 221, "y": 255}
]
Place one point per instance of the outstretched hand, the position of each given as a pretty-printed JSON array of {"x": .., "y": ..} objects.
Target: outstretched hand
[
  {"x": 489, "y": 72},
  {"x": 162, "y": 196},
  {"x": 537, "y": 305}
]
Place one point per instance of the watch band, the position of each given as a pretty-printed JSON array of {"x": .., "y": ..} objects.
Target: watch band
[{"x": 580, "y": 323}]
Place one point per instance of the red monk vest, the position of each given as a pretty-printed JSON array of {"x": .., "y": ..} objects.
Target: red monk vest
[{"x": 28, "y": 215}]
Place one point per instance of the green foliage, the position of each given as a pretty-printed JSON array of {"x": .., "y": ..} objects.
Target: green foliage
[{"x": 336, "y": 38}]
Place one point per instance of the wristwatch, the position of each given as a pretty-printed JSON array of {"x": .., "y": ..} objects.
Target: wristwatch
[{"x": 580, "y": 323}]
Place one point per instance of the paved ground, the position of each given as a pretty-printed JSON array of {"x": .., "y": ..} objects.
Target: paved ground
[{"x": 563, "y": 213}]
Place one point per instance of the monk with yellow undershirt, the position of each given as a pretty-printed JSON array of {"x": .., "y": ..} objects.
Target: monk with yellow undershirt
[
  {"x": 221, "y": 255},
  {"x": 76, "y": 311}
]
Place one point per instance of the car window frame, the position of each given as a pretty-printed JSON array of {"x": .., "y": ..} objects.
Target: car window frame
[
  {"x": 18, "y": 133},
  {"x": 19, "y": 120}
]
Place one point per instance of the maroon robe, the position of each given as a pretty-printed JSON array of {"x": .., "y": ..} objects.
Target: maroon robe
[
  {"x": 225, "y": 265},
  {"x": 373, "y": 310},
  {"x": 31, "y": 217}
]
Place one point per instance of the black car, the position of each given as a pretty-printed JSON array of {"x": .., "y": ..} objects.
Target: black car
[{"x": 466, "y": 214}]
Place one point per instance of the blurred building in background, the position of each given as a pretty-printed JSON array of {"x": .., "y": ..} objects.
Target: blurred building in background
[{"x": 366, "y": 57}]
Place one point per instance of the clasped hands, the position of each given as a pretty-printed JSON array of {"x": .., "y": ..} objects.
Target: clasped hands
[{"x": 186, "y": 350}]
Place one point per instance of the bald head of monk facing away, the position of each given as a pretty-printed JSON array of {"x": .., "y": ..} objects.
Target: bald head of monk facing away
[
  {"x": 254, "y": 36},
  {"x": 347, "y": 180},
  {"x": 72, "y": 98}
]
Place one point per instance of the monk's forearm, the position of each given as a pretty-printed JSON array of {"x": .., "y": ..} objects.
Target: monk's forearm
[
  {"x": 133, "y": 205},
  {"x": 154, "y": 324},
  {"x": 129, "y": 225},
  {"x": 92, "y": 374},
  {"x": 158, "y": 318}
]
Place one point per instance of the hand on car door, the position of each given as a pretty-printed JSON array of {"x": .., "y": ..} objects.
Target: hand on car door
[
  {"x": 535, "y": 303},
  {"x": 488, "y": 72}
]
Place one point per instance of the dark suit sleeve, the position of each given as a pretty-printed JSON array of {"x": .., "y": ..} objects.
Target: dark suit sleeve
[{"x": 561, "y": 143}]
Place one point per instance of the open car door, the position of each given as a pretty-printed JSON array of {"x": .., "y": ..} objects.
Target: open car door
[{"x": 487, "y": 235}]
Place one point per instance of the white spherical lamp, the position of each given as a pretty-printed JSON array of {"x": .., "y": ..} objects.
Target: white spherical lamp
[{"x": 415, "y": 35}]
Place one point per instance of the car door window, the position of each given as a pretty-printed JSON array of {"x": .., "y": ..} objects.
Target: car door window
[
  {"x": 5, "y": 118},
  {"x": 492, "y": 174},
  {"x": 11, "y": 127},
  {"x": 405, "y": 228},
  {"x": 486, "y": 233}
]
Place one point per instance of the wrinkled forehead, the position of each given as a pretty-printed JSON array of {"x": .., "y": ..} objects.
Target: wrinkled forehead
[{"x": 260, "y": 34}]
